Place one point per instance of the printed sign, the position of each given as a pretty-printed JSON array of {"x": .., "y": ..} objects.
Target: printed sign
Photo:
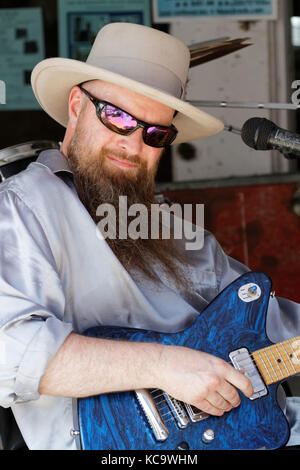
[
  {"x": 80, "y": 21},
  {"x": 22, "y": 47},
  {"x": 173, "y": 10}
]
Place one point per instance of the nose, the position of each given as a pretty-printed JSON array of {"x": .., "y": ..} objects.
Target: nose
[{"x": 132, "y": 143}]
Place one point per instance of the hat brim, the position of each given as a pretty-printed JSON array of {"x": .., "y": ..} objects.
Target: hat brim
[{"x": 52, "y": 80}]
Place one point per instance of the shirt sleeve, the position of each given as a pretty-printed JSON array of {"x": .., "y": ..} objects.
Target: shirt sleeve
[{"x": 32, "y": 302}]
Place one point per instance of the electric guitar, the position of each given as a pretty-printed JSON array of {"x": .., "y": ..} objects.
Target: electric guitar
[{"x": 232, "y": 327}]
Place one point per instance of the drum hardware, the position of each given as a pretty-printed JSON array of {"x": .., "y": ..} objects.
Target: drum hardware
[
  {"x": 27, "y": 149},
  {"x": 17, "y": 157}
]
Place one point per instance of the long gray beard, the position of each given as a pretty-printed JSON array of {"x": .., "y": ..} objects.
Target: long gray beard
[{"x": 97, "y": 184}]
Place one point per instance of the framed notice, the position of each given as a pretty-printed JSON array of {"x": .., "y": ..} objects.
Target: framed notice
[
  {"x": 168, "y": 11},
  {"x": 80, "y": 20},
  {"x": 22, "y": 47}
]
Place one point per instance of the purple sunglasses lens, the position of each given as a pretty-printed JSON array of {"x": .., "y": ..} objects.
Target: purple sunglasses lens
[
  {"x": 159, "y": 136},
  {"x": 123, "y": 123},
  {"x": 117, "y": 120}
]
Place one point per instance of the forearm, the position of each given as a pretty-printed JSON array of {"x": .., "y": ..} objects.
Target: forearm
[{"x": 85, "y": 366}]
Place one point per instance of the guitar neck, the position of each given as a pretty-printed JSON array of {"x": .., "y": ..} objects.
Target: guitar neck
[{"x": 278, "y": 361}]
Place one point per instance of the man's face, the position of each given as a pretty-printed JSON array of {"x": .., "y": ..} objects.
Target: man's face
[
  {"x": 107, "y": 165},
  {"x": 122, "y": 156}
]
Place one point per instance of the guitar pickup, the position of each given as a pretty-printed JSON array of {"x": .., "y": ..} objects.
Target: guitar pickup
[
  {"x": 242, "y": 360},
  {"x": 195, "y": 414}
]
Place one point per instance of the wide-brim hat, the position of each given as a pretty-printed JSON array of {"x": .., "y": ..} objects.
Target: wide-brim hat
[{"x": 139, "y": 58}]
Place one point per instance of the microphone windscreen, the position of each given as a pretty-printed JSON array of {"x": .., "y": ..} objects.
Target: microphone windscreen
[{"x": 256, "y": 133}]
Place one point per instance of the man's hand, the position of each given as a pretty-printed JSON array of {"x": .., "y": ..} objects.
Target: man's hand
[{"x": 200, "y": 379}]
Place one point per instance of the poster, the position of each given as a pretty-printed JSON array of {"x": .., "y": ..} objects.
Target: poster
[
  {"x": 22, "y": 47},
  {"x": 167, "y": 11},
  {"x": 80, "y": 20}
]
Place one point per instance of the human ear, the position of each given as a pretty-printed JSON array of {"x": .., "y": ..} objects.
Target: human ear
[{"x": 75, "y": 105}]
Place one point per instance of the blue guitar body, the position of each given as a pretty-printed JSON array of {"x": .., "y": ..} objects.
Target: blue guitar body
[{"x": 116, "y": 421}]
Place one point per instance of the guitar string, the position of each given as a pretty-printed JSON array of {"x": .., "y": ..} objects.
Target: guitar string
[
  {"x": 170, "y": 412},
  {"x": 163, "y": 403},
  {"x": 251, "y": 356},
  {"x": 242, "y": 360}
]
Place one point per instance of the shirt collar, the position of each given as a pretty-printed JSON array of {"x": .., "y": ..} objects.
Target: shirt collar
[{"x": 54, "y": 160}]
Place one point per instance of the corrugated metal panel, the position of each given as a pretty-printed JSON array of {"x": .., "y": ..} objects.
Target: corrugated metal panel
[{"x": 256, "y": 225}]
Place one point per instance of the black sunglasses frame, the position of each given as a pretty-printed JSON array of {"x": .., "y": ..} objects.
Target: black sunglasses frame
[{"x": 100, "y": 104}]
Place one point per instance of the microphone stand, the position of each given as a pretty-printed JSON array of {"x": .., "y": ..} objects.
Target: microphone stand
[{"x": 240, "y": 104}]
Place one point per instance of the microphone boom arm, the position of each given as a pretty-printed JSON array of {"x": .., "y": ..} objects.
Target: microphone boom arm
[{"x": 240, "y": 104}]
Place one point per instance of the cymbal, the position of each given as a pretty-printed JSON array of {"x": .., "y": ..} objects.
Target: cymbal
[{"x": 209, "y": 50}]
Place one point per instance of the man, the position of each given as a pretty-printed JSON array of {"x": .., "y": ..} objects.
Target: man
[{"x": 59, "y": 277}]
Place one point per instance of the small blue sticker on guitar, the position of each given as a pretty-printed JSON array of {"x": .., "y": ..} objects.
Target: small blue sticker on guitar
[{"x": 249, "y": 292}]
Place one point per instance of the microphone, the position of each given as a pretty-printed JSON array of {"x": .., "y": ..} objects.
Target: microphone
[{"x": 262, "y": 134}]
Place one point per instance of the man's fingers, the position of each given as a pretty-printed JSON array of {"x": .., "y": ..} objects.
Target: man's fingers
[
  {"x": 239, "y": 380},
  {"x": 235, "y": 377},
  {"x": 208, "y": 407},
  {"x": 218, "y": 401},
  {"x": 229, "y": 394}
]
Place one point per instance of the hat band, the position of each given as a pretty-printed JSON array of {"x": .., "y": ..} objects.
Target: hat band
[{"x": 142, "y": 71}]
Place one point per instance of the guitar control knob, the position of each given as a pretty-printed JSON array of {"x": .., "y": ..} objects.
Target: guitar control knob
[
  {"x": 183, "y": 446},
  {"x": 208, "y": 436}
]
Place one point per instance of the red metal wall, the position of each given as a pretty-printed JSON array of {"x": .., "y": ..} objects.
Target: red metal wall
[{"x": 256, "y": 225}]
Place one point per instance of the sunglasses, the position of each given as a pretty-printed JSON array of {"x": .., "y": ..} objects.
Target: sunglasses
[{"x": 123, "y": 123}]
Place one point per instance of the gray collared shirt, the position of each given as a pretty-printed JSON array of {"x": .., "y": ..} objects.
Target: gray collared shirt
[{"x": 57, "y": 276}]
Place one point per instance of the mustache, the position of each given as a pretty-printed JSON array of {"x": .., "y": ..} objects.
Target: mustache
[{"x": 122, "y": 156}]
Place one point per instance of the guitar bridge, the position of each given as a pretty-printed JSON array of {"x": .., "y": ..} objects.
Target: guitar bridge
[
  {"x": 152, "y": 414},
  {"x": 153, "y": 402},
  {"x": 242, "y": 360}
]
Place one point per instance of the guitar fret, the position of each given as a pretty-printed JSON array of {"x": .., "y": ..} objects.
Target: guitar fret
[
  {"x": 258, "y": 358},
  {"x": 288, "y": 357},
  {"x": 275, "y": 360},
  {"x": 271, "y": 365},
  {"x": 295, "y": 353},
  {"x": 291, "y": 349},
  {"x": 282, "y": 361},
  {"x": 277, "y": 366},
  {"x": 270, "y": 368}
]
